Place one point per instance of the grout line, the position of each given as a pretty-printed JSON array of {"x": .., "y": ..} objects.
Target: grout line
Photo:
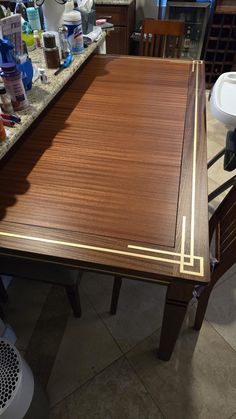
[
  {"x": 117, "y": 343},
  {"x": 144, "y": 385},
  {"x": 100, "y": 317},
  {"x": 219, "y": 334},
  {"x": 86, "y": 382}
]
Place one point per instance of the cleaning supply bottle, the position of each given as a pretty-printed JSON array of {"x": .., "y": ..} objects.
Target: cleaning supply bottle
[
  {"x": 12, "y": 80},
  {"x": 33, "y": 17},
  {"x": 21, "y": 9},
  {"x": 72, "y": 20}
]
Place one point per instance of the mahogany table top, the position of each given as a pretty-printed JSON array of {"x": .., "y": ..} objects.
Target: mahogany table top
[{"x": 114, "y": 177}]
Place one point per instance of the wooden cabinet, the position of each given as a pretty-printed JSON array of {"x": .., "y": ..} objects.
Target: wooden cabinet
[{"x": 123, "y": 19}]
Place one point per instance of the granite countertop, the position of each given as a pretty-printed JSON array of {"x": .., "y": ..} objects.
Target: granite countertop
[
  {"x": 114, "y": 2},
  {"x": 41, "y": 94}
]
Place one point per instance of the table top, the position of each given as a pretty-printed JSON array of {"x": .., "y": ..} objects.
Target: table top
[{"x": 113, "y": 177}]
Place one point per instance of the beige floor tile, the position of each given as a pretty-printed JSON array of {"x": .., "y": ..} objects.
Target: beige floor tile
[
  {"x": 199, "y": 382},
  {"x": 116, "y": 393},
  {"x": 86, "y": 348},
  {"x": 140, "y": 307},
  {"x": 221, "y": 312},
  {"x": 26, "y": 299}
]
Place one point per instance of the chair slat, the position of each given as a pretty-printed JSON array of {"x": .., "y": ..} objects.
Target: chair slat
[{"x": 166, "y": 38}]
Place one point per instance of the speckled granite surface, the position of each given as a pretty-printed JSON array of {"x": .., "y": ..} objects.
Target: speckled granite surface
[
  {"x": 41, "y": 94},
  {"x": 114, "y": 2}
]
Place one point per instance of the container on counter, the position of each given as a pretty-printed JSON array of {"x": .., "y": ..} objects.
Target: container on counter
[
  {"x": 43, "y": 75},
  {"x": 72, "y": 20},
  {"x": 37, "y": 41},
  {"x": 63, "y": 36},
  {"x": 13, "y": 83},
  {"x": 51, "y": 51},
  {"x": 33, "y": 18},
  {"x": 5, "y": 101},
  {"x": 21, "y": 9}
]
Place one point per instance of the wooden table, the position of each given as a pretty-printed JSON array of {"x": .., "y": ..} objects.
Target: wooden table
[{"x": 113, "y": 179}]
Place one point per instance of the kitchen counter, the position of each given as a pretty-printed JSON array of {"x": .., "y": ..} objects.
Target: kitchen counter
[{"x": 41, "y": 94}]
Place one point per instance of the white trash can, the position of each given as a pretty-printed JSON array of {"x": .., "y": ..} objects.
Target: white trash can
[{"x": 20, "y": 394}]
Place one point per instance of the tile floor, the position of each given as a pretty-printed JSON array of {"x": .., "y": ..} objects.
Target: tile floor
[{"x": 105, "y": 367}]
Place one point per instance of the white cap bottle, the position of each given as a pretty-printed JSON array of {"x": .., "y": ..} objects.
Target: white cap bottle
[{"x": 72, "y": 20}]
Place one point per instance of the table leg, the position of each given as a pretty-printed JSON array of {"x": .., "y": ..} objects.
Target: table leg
[{"x": 177, "y": 298}]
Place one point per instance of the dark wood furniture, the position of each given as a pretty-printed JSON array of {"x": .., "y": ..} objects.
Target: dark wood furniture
[
  {"x": 223, "y": 234},
  {"x": 44, "y": 272},
  {"x": 123, "y": 19},
  {"x": 114, "y": 179},
  {"x": 161, "y": 38},
  {"x": 220, "y": 48}
]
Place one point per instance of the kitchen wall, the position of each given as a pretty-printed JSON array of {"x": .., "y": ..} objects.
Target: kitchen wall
[{"x": 146, "y": 9}]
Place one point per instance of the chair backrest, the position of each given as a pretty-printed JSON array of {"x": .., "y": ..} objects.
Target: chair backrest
[
  {"x": 161, "y": 38},
  {"x": 222, "y": 230}
]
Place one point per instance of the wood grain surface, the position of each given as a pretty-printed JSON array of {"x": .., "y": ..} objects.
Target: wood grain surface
[{"x": 104, "y": 168}]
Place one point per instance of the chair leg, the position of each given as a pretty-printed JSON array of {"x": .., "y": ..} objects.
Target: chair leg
[
  {"x": 73, "y": 296},
  {"x": 3, "y": 293},
  {"x": 2, "y": 315},
  {"x": 115, "y": 294},
  {"x": 201, "y": 307}
]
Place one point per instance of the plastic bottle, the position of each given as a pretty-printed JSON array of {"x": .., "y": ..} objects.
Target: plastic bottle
[
  {"x": 51, "y": 51},
  {"x": 43, "y": 75},
  {"x": 21, "y": 9},
  {"x": 37, "y": 39},
  {"x": 72, "y": 20},
  {"x": 33, "y": 17},
  {"x": 5, "y": 101},
  {"x": 63, "y": 36},
  {"x": 12, "y": 80}
]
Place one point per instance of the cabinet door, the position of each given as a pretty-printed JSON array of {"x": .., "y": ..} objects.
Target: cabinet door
[{"x": 116, "y": 41}]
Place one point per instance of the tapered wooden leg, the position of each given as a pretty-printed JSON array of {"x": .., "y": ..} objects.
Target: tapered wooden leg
[
  {"x": 115, "y": 294},
  {"x": 3, "y": 293},
  {"x": 1, "y": 313},
  {"x": 177, "y": 298},
  {"x": 73, "y": 296}
]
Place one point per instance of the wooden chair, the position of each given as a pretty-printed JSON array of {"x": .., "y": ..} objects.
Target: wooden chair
[
  {"x": 161, "y": 38},
  {"x": 51, "y": 273},
  {"x": 222, "y": 235}
]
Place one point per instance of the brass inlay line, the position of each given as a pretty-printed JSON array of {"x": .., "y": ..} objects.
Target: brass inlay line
[
  {"x": 95, "y": 248},
  {"x": 182, "y": 255},
  {"x": 194, "y": 169},
  {"x": 149, "y": 249},
  {"x": 87, "y": 247}
]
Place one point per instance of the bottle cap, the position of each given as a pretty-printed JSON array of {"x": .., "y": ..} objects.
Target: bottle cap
[
  {"x": 63, "y": 29},
  {"x": 8, "y": 67},
  {"x": 2, "y": 90},
  {"x": 49, "y": 40}
]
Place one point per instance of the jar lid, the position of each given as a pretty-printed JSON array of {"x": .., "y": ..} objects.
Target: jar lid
[
  {"x": 49, "y": 40},
  {"x": 8, "y": 67},
  {"x": 2, "y": 90}
]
